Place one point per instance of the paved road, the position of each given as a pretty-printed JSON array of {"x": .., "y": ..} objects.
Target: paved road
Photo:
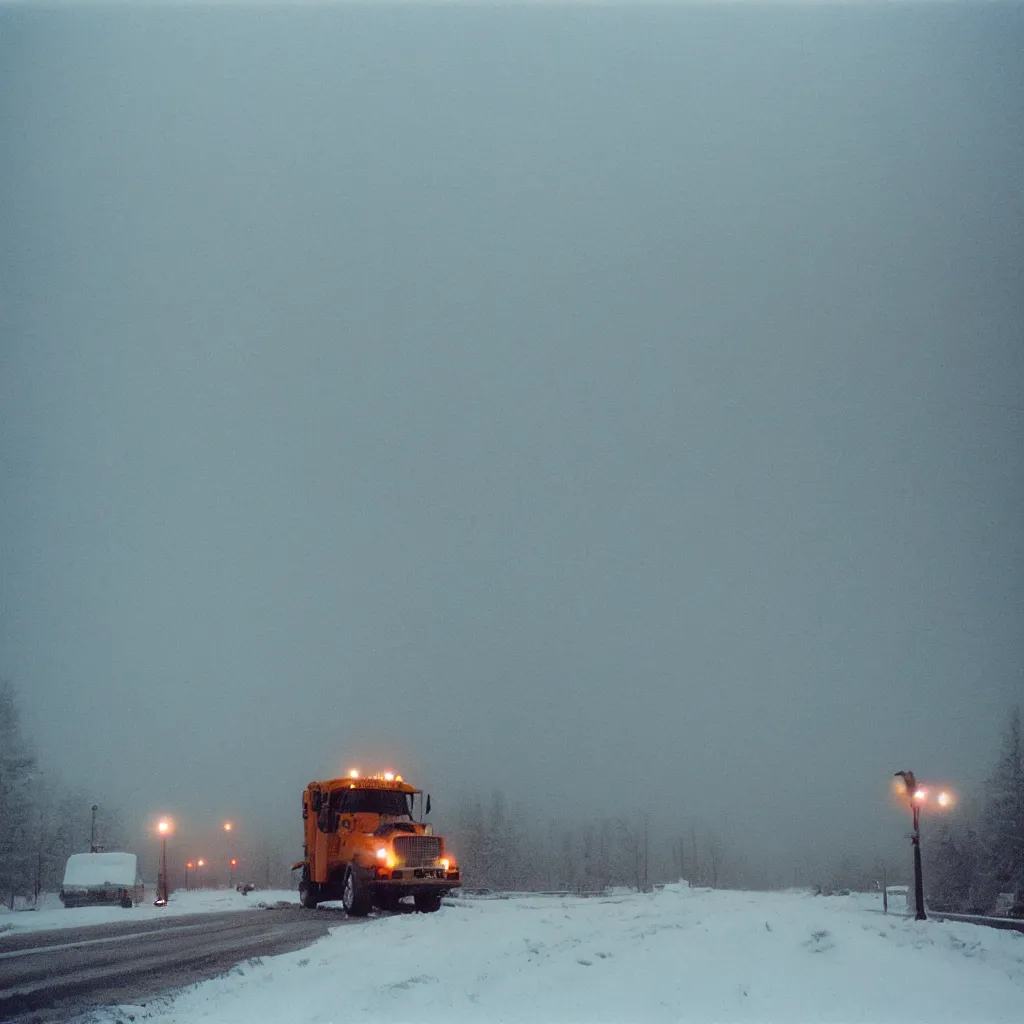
[{"x": 49, "y": 977}]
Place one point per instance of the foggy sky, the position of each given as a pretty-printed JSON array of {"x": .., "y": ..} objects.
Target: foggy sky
[{"x": 621, "y": 408}]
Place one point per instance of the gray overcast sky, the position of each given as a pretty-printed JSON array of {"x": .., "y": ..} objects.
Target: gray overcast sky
[{"x": 618, "y": 407}]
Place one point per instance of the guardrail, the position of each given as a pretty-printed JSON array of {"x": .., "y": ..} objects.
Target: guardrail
[{"x": 1007, "y": 923}]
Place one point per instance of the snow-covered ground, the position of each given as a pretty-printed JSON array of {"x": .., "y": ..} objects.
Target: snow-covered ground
[
  {"x": 674, "y": 955},
  {"x": 52, "y": 914}
]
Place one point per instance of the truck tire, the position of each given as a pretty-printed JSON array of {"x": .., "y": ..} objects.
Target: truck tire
[
  {"x": 355, "y": 896},
  {"x": 309, "y": 892},
  {"x": 428, "y": 902}
]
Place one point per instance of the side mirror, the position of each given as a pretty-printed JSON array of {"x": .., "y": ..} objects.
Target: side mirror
[{"x": 428, "y": 804}]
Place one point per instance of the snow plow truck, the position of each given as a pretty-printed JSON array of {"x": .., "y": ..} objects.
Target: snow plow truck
[{"x": 363, "y": 846}]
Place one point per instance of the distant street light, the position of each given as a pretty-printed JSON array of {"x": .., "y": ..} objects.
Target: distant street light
[
  {"x": 163, "y": 828},
  {"x": 232, "y": 864},
  {"x": 917, "y": 795},
  {"x": 188, "y": 867},
  {"x": 228, "y": 829}
]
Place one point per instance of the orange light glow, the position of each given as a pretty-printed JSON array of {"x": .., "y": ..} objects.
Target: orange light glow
[
  {"x": 201, "y": 863},
  {"x": 389, "y": 777},
  {"x": 228, "y": 826},
  {"x": 189, "y": 865},
  {"x": 163, "y": 827},
  {"x": 382, "y": 853},
  {"x": 445, "y": 863},
  {"x": 353, "y": 774},
  {"x": 920, "y": 794},
  {"x": 234, "y": 863}
]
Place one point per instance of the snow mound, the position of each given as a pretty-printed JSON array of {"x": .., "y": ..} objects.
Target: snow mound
[{"x": 673, "y": 955}]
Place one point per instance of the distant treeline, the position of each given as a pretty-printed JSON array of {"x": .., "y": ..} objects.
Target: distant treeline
[
  {"x": 503, "y": 847},
  {"x": 42, "y": 820},
  {"x": 506, "y": 849}
]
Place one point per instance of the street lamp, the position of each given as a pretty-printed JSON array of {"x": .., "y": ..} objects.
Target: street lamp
[
  {"x": 232, "y": 864},
  {"x": 228, "y": 827},
  {"x": 918, "y": 795},
  {"x": 163, "y": 827},
  {"x": 188, "y": 867},
  {"x": 200, "y": 864}
]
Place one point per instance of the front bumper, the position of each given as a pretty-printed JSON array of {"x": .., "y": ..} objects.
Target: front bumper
[{"x": 416, "y": 879}]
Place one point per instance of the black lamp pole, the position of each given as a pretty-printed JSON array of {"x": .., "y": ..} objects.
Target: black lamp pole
[
  {"x": 162, "y": 895},
  {"x": 915, "y": 839}
]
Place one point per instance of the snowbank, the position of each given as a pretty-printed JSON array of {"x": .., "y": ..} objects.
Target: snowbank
[
  {"x": 674, "y": 955},
  {"x": 199, "y": 901}
]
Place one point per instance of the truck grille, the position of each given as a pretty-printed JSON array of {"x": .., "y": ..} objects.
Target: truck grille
[{"x": 417, "y": 851}]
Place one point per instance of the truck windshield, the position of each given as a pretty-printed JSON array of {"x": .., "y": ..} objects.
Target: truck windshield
[{"x": 370, "y": 801}]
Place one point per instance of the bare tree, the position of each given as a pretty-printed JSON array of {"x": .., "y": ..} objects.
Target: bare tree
[{"x": 17, "y": 770}]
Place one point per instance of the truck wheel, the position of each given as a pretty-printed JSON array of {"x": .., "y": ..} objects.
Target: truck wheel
[
  {"x": 428, "y": 902},
  {"x": 309, "y": 893},
  {"x": 355, "y": 896}
]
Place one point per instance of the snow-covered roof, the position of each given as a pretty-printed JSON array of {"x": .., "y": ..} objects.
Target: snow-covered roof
[{"x": 91, "y": 869}]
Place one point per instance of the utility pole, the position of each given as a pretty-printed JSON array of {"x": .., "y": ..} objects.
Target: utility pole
[
  {"x": 645, "y": 850},
  {"x": 92, "y": 836}
]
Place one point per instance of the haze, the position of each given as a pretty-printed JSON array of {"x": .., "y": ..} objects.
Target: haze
[{"x": 618, "y": 407}]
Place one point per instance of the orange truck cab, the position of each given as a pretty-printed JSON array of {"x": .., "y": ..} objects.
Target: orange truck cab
[{"x": 362, "y": 846}]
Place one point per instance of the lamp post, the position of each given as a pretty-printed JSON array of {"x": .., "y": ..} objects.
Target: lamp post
[
  {"x": 917, "y": 795},
  {"x": 200, "y": 864},
  {"x": 228, "y": 828},
  {"x": 163, "y": 828},
  {"x": 188, "y": 867},
  {"x": 232, "y": 864}
]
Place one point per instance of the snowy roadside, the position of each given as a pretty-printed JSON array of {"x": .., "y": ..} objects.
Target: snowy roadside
[
  {"x": 52, "y": 914},
  {"x": 677, "y": 954}
]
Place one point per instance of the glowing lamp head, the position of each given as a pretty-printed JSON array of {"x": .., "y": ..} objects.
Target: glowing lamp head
[
  {"x": 945, "y": 799},
  {"x": 920, "y": 794},
  {"x": 189, "y": 865},
  {"x": 201, "y": 863},
  {"x": 163, "y": 827},
  {"x": 233, "y": 862},
  {"x": 228, "y": 826}
]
